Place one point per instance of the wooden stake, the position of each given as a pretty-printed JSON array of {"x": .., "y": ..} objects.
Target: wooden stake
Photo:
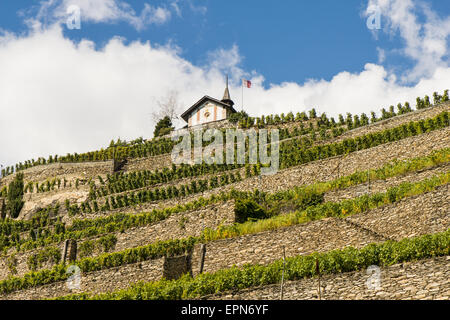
[
  {"x": 318, "y": 272},
  {"x": 282, "y": 275}
]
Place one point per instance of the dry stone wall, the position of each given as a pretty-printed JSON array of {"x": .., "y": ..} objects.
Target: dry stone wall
[
  {"x": 150, "y": 163},
  {"x": 265, "y": 247},
  {"x": 321, "y": 170},
  {"x": 422, "y": 214},
  {"x": 36, "y": 201},
  {"x": 91, "y": 169},
  {"x": 382, "y": 185},
  {"x": 83, "y": 170},
  {"x": 177, "y": 226},
  {"x": 96, "y": 282},
  {"x": 162, "y": 161},
  {"x": 397, "y": 121},
  {"x": 425, "y": 279},
  {"x": 415, "y": 216}
]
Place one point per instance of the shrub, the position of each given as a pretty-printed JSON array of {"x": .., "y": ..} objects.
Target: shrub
[
  {"x": 238, "y": 116},
  {"x": 15, "y": 196},
  {"x": 248, "y": 209}
]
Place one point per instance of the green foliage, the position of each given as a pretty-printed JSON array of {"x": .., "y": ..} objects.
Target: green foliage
[
  {"x": 163, "y": 127},
  {"x": 104, "y": 261},
  {"x": 15, "y": 196},
  {"x": 48, "y": 254},
  {"x": 176, "y": 247},
  {"x": 445, "y": 96},
  {"x": 11, "y": 263},
  {"x": 296, "y": 268},
  {"x": 329, "y": 209},
  {"x": 141, "y": 148},
  {"x": 3, "y": 209},
  {"x": 238, "y": 116},
  {"x": 295, "y": 152},
  {"x": 298, "y": 198},
  {"x": 102, "y": 244},
  {"x": 247, "y": 209}
]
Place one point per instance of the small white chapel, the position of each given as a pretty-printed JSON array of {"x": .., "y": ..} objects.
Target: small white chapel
[{"x": 208, "y": 109}]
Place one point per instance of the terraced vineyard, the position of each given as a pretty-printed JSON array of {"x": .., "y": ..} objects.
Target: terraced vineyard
[{"x": 126, "y": 223}]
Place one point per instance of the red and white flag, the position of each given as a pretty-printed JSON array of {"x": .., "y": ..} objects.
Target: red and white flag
[{"x": 246, "y": 83}]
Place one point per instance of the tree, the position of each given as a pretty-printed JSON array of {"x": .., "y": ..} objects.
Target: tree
[
  {"x": 168, "y": 106},
  {"x": 420, "y": 103},
  {"x": 407, "y": 107},
  {"x": 445, "y": 96},
  {"x": 163, "y": 127},
  {"x": 391, "y": 111},
  {"x": 247, "y": 209},
  {"x": 356, "y": 122},
  {"x": 3, "y": 209},
  {"x": 436, "y": 98},
  {"x": 238, "y": 116},
  {"x": 15, "y": 196},
  {"x": 364, "y": 119},
  {"x": 349, "y": 121}
]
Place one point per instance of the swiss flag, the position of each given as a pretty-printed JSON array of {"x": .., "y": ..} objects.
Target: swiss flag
[{"x": 246, "y": 83}]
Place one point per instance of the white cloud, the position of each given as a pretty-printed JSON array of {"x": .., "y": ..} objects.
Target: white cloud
[
  {"x": 381, "y": 55},
  {"x": 176, "y": 7},
  {"x": 58, "y": 96},
  {"x": 226, "y": 61},
  {"x": 425, "y": 43},
  {"x": 196, "y": 8},
  {"x": 104, "y": 11}
]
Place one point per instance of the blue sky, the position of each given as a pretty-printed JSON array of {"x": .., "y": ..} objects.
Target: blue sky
[
  {"x": 298, "y": 54},
  {"x": 288, "y": 41}
]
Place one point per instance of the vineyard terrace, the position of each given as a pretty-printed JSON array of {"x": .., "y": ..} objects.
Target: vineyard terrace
[{"x": 248, "y": 145}]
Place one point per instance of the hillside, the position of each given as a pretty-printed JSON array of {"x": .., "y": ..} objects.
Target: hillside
[{"x": 349, "y": 194}]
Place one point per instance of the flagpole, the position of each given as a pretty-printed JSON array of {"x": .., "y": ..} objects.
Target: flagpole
[{"x": 242, "y": 85}]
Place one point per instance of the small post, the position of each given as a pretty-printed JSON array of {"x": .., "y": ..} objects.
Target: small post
[
  {"x": 318, "y": 272},
  {"x": 66, "y": 245},
  {"x": 202, "y": 258},
  {"x": 72, "y": 252},
  {"x": 260, "y": 188},
  {"x": 282, "y": 275}
]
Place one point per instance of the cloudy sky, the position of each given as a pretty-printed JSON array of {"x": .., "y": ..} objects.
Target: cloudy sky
[{"x": 68, "y": 89}]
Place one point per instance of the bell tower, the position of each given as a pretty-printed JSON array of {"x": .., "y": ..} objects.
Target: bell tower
[{"x": 226, "y": 96}]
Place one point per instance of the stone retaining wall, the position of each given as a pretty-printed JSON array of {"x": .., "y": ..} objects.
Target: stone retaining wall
[
  {"x": 425, "y": 279},
  {"x": 320, "y": 170},
  {"x": 382, "y": 185},
  {"x": 96, "y": 282},
  {"x": 419, "y": 215},
  {"x": 177, "y": 226},
  {"x": 162, "y": 161},
  {"x": 150, "y": 163},
  {"x": 83, "y": 170},
  {"x": 415, "y": 216},
  {"x": 91, "y": 169},
  {"x": 410, "y": 215}
]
